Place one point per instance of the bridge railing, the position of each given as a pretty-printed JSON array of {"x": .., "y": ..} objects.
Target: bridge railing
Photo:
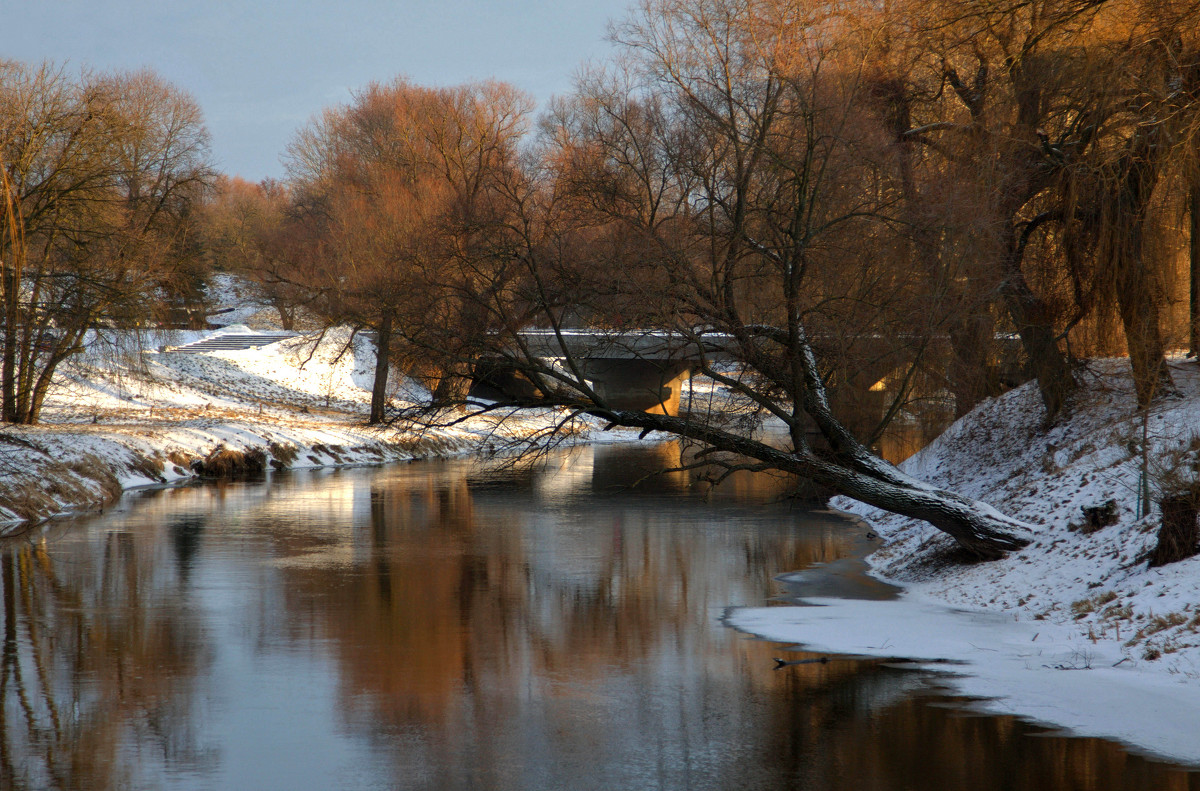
[{"x": 627, "y": 344}]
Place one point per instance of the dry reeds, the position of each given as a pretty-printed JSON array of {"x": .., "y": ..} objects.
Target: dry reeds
[{"x": 224, "y": 462}]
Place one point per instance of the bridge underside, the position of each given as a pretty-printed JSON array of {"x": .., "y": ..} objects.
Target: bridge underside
[
  {"x": 645, "y": 385},
  {"x": 621, "y": 383},
  {"x": 646, "y": 372}
]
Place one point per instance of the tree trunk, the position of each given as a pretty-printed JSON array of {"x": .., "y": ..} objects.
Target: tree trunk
[
  {"x": 1139, "y": 307},
  {"x": 287, "y": 316},
  {"x": 1147, "y": 358},
  {"x": 1035, "y": 326},
  {"x": 12, "y": 259},
  {"x": 978, "y": 528},
  {"x": 971, "y": 343},
  {"x": 383, "y": 342},
  {"x": 452, "y": 385},
  {"x": 1138, "y": 298},
  {"x": 8, "y": 367},
  {"x": 971, "y": 330},
  {"x": 1194, "y": 260},
  {"x": 853, "y": 470}
]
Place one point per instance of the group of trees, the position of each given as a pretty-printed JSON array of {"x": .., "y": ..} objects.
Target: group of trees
[
  {"x": 821, "y": 185},
  {"x": 1071, "y": 127},
  {"x": 390, "y": 201},
  {"x": 100, "y": 179}
]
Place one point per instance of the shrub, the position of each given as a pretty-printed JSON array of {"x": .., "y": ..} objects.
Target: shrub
[{"x": 226, "y": 463}]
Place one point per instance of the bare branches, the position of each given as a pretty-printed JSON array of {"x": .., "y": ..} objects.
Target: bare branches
[
  {"x": 101, "y": 174},
  {"x": 401, "y": 195},
  {"x": 717, "y": 195}
]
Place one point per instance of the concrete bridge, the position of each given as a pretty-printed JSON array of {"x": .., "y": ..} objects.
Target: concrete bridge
[
  {"x": 642, "y": 370},
  {"x": 646, "y": 370}
]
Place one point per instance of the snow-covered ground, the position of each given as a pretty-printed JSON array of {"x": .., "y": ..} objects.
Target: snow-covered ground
[
  {"x": 129, "y": 413},
  {"x": 1076, "y": 630}
]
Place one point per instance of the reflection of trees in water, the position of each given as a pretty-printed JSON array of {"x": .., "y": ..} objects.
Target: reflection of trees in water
[
  {"x": 186, "y": 532},
  {"x": 485, "y": 642},
  {"x": 459, "y": 602},
  {"x": 625, "y": 466},
  {"x": 98, "y": 647},
  {"x": 656, "y": 578},
  {"x": 651, "y": 468},
  {"x": 481, "y": 648},
  {"x": 825, "y": 742},
  {"x": 403, "y": 622}
]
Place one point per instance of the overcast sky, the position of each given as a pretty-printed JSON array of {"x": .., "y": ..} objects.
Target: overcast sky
[{"x": 261, "y": 69}]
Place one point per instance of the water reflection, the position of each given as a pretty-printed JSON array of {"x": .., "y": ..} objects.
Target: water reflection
[
  {"x": 100, "y": 654},
  {"x": 449, "y": 625}
]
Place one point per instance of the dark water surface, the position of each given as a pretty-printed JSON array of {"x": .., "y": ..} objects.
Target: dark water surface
[{"x": 446, "y": 625}]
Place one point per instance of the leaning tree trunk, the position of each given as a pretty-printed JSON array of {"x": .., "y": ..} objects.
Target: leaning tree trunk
[
  {"x": 979, "y": 529},
  {"x": 853, "y": 470},
  {"x": 856, "y": 472}
]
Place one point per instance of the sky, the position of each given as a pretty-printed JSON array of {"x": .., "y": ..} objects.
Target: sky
[{"x": 260, "y": 70}]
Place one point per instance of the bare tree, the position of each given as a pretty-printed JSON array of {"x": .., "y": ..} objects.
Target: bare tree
[
  {"x": 98, "y": 172},
  {"x": 250, "y": 230},
  {"x": 395, "y": 187},
  {"x": 1153, "y": 116},
  {"x": 1068, "y": 118},
  {"x": 1193, "y": 213}
]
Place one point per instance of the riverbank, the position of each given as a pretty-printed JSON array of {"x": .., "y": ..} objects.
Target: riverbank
[
  {"x": 121, "y": 417},
  {"x": 1076, "y": 630}
]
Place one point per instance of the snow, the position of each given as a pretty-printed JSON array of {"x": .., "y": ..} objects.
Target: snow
[
  {"x": 129, "y": 412},
  {"x": 1047, "y": 672},
  {"x": 1075, "y": 630}
]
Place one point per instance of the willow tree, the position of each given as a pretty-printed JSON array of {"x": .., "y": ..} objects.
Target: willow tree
[
  {"x": 1061, "y": 122},
  {"x": 98, "y": 173},
  {"x": 988, "y": 96},
  {"x": 394, "y": 186},
  {"x": 1148, "y": 147}
]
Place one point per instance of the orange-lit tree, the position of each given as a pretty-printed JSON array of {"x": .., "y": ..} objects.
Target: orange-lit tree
[
  {"x": 395, "y": 187},
  {"x": 98, "y": 177}
]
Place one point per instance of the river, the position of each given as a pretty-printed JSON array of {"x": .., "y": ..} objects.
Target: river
[{"x": 474, "y": 625}]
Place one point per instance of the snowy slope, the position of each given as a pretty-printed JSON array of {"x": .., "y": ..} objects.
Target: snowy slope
[
  {"x": 128, "y": 413},
  {"x": 1075, "y": 630}
]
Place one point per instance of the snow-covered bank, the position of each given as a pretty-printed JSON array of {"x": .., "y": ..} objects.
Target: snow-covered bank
[
  {"x": 1076, "y": 630},
  {"x": 118, "y": 418},
  {"x": 1050, "y": 673}
]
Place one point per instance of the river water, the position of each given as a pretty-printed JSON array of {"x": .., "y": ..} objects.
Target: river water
[{"x": 464, "y": 625}]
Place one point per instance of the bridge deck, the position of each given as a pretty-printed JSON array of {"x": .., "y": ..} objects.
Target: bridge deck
[{"x": 626, "y": 345}]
